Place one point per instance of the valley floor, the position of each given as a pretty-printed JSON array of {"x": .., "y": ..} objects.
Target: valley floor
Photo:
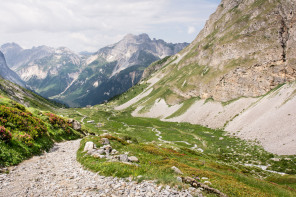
[{"x": 57, "y": 173}]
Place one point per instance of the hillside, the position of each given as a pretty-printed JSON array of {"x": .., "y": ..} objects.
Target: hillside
[
  {"x": 27, "y": 125},
  {"x": 230, "y": 76}
]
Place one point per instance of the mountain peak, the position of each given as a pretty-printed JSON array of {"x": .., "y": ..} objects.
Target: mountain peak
[
  {"x": 136, "y": 38},
  {"x": 11, "y": 45}
]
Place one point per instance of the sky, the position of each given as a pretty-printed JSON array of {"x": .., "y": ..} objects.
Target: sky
[{"x": 88, "y": 25}]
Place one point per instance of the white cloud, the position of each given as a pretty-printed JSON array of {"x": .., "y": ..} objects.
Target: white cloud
[
  {"x": 191, "y": 30},
  {"x": 92, "y": 24}
]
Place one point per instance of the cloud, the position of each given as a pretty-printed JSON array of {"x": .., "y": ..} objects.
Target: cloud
[
  {"x": 191, "y": 30},
  {"x": 92, "y": 24}
]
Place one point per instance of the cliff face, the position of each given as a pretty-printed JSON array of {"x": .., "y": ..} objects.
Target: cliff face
[
  {"x": 8, "y": 74},
  {"x": 246, "y": 48}
]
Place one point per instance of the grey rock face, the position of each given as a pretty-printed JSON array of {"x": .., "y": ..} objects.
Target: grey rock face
[
  {"x": 8, "y": 74},
  {"x": 243, "y": 51},
  {"x": 16, "y": 56}
]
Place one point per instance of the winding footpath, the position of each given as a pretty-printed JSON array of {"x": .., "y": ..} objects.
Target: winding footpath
[{"x": 57, "y": 173}]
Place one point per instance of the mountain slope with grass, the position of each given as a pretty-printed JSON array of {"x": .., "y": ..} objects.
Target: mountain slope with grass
[
  {"x": 27, "y": 124},
  {"x": 209, "y": 157},
  {"x": 238, "y": 75}
]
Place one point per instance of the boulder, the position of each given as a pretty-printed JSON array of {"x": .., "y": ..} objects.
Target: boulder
[
  {"x": 176, "y": 170},
  {"x": 75, "y": 124},
  {"x": 89, "y": 146},
  {"x": 107, "y": 149},
  {"x": 133, "y": 159},
  {"x": 123, "y": 158}
]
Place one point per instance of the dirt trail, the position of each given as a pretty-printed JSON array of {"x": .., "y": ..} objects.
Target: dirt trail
[{"x": 57, "y": 173}]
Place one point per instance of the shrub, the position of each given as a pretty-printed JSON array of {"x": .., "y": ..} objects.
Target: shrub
[
  {"x": 59, "y": 122},
  {"x": 5, "y": 134},
  {"x": 26, "y": 139},
  {"x": 22, "y": 120},
  {"x": 19, "y": 106}
]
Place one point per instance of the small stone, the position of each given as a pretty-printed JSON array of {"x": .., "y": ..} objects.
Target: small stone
[
  {"x": 176, "y": 170},
  {"x": 105, "y": 134},
  {"x": 275, "y": 159},
  {"x": 105, "y": 141},
  {"x": 123, "y": 158},
  {"x": 89, "y": 146},
  {"x": 107, "y": 149},
  {"x": 204, "y": 178},
  {"x": 179, "y": 179},
  {"x": 133, "y": 159},
  {"x": 101, "y": 151},
  {"x": 129, "y": 141},
  {"x": 114, "y": 152}
]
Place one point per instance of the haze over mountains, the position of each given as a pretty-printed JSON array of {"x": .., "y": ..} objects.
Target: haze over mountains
[{"x": 80, "y": 80}]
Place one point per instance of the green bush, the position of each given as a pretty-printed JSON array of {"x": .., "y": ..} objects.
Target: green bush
[
  {"x": 5, "y": 134},
  {"x": 22, "y": 120}
]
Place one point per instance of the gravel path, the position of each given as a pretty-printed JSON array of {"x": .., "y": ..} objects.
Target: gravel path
[{"x": 57, "y": 173}]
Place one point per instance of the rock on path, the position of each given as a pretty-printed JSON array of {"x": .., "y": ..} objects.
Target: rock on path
[{"x": 57, "y": 173}]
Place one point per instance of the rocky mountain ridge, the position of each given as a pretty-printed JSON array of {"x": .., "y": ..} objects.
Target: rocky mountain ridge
[
  {"x": 80, "y": 80},
  {"x": 127, "y": 51},
  {"x": 116, "y": 68}
]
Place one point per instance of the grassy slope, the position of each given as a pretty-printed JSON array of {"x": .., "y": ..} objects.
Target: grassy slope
[{"x": 221, "y": 161}]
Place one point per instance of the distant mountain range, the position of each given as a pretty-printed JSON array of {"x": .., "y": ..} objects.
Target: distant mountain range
[{"x": 87, "y": 78}]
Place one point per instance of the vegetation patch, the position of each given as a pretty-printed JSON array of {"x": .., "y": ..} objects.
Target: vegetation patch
[{"x": 24, "y": 134}]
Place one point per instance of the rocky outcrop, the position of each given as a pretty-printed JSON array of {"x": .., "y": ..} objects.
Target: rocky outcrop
[
  {"x": 246, "y": 49},
  {"x": 75, "y": 124}
]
